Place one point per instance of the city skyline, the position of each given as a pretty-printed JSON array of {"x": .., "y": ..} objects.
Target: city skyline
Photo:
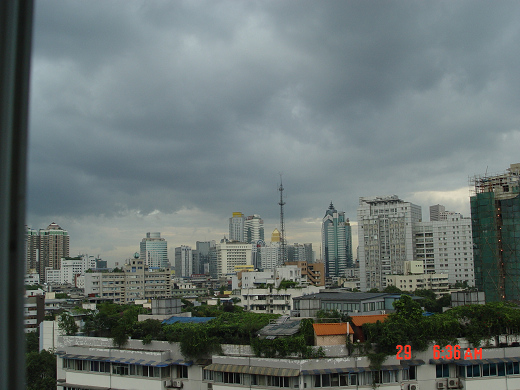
[{"x": 169, "y": 117}]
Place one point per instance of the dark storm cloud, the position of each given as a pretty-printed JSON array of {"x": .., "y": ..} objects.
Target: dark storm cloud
[{"x": 158, "y": 105}]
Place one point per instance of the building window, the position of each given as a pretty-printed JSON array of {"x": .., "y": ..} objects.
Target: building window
[
  {"x": 182, "y": 371},
  {"x": 442, "y": 370}
]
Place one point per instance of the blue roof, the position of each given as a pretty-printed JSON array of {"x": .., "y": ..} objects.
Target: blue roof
[{"x": 198, "y": 320}]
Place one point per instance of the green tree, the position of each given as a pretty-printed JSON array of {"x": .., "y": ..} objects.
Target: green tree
[
  {"x": 32, "y": 342},
  {"x": 67, "y": 324},
  {"x": 392, "y": 290},
  {"x": 40, "y": 370}
]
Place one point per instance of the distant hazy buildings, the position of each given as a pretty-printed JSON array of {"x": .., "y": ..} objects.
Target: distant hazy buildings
[
  {"x": 45, "y": 248},
  {"x": 236, "y": 227},
  {"x": 386, "y": 239},
  {"x": 495, "y": 215},
  {"x": 300, "y": 252},
  {"x": 336, "y": 242},
  {"x": 183, "y": 261},
  {"x": 154, "y": 250}
]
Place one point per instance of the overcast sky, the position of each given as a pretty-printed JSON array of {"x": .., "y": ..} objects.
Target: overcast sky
[{"x": 170, "y": 115}]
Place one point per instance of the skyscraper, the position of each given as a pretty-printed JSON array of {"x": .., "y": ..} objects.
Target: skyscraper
[
  {"x": 236, "y": 227},
  {"x": 495, "y": 217},
  {"x": 46, "y": 248},
  {"x": 201, "y": 257},
  {"x": 154, "y": 250},
  {"x": 336, "y": 242},
  {"x": 183, "y": 261},
  {"x": 253, "y": 229},
  {"x": 385, "y": 231}
]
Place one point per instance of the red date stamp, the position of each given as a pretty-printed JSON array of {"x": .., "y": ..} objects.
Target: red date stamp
[{"x": 448, "y": 352}]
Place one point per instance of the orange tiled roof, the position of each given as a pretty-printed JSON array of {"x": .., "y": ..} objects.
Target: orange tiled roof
[
  {"x": 332, "y": 329},
  {"x": 372, "y": 319}
]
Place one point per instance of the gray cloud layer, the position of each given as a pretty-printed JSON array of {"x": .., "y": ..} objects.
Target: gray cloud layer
[{"x": 155, "y": 105}]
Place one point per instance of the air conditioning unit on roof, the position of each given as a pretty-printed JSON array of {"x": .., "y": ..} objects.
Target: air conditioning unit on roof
[
  {"x": 441, "y": 385},
  {"x": 413, "y": 386}
]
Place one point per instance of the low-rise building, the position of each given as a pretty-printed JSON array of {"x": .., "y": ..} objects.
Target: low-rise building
[
  {"x": 314, "y": 273},
  {"x": 272, "y": 300},
  {"x": 94, "y": 363},
  {"x": 351, "y": 303},
  {"x": 332, "y": 334}
]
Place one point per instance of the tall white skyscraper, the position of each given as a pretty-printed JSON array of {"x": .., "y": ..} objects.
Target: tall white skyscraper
[
  {"x": 336, "y": 242},
  {"x": 236, "y": 227},
  {"x": 386, "y": 238},
  {"x": 253, "y": 229},
  {"x": 183, "y": 261},
  {"x": 154, "y": 250}
]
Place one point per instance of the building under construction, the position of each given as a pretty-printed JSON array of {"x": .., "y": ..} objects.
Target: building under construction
[{"x": 495, "y": 216}]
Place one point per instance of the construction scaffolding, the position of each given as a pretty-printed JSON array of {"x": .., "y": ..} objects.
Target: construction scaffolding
[{"x": 495, "y": 215}]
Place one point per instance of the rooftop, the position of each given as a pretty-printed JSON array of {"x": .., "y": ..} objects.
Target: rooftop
[
  {"x": 332, "y": 329},
  {"x": 372, "y": 319}
]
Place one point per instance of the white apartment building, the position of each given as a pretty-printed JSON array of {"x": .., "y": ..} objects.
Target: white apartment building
[
  {"x": 231, "y": 254},
  {"x": 70, "y": 269},
  {"x": 270, "y": 255},
  {"x": 273, "y": 300},
  {"x": 137, "y": 281},
  {"x": 438, "y": 283},
  {"x": 446, "y": 246},
  {"x": 272, "y": 276},
  {"x": 386, "y": 240}
]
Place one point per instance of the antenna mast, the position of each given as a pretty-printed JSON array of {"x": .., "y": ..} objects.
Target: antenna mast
[{"x": 283, "y": 247}]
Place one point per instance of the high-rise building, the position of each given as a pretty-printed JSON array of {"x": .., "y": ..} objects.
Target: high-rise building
[
  {"x": 300, "y": 252},
  {"x": 236, "y": 227},
  {"x": 269, "y": 253},
  {"x": 437, "y": 212},
  {"x": 183, "y": 261},
  {"x": 253, "y": 229},
  {"x": 231, "y": 254},
  {"x": 445, "y": 246},
  {"x": 385, "y": 234},
  {"x": 201, "y": 256},
  {"x": 495, "y": 217},
  {"x": 336, "y": 239},
  {"x": 154, "y": 250},
  {"x": 46, "y": 248}
]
